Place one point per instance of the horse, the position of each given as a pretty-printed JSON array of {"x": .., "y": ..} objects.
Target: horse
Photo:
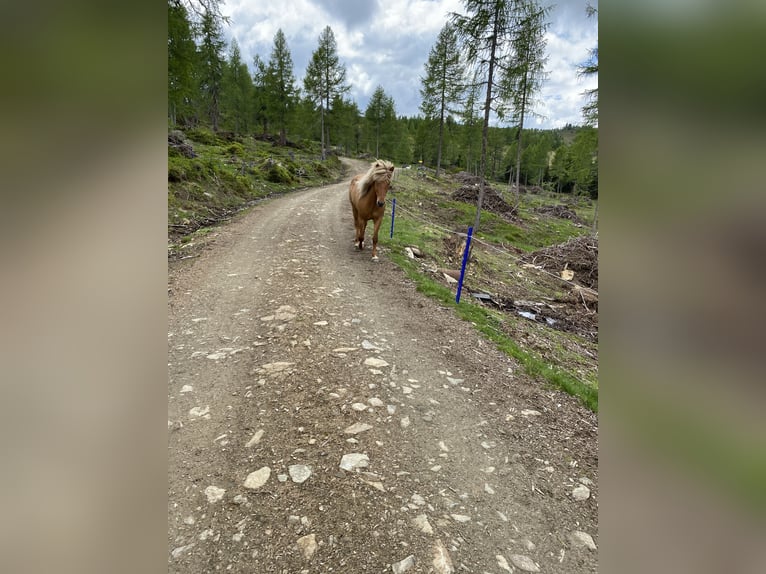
[{"x": 366, "y": 205}]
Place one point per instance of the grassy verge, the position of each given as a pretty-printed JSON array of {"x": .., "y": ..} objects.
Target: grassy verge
[
  {"x": 488, "y": 323},
  {"x": 228, "y": 173},
  {"x": 425, "y": 214}
]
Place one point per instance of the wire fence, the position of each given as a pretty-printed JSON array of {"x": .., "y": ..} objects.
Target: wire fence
[
  {"x": 525, "y": 269},
  {"x": 522, "y": 264}
]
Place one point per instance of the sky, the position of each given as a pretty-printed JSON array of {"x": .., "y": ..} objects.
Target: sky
[{"x": 386, "y": 43}]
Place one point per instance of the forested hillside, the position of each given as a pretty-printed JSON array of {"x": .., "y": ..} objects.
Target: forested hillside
[{"x": 211, "y": 88}]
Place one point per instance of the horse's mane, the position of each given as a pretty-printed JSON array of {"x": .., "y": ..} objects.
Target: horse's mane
[{"x": 378, "y": 171}]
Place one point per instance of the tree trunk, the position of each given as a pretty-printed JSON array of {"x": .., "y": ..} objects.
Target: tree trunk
[
  {"x": 321, "y": 110},
  {"x": 518, "y": 142},
  {"x": 595, "y": 218},
  {"x": 485, "y": 127}
]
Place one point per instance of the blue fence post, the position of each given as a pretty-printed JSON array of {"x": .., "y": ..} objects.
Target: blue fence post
[
  {"x": 465, "y": 260},
  {"x": 393, "y": 211}
]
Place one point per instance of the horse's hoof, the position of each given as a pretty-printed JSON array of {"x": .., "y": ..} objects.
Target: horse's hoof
[{"x": 375, "y": 258}]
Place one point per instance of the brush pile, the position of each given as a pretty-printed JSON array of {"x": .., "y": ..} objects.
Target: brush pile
[
  {"x": 579, "y": 254},
  {"x": 468, "y": 192}
]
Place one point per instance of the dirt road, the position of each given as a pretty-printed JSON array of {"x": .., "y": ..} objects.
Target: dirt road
[{"x": 325, "y": 417}]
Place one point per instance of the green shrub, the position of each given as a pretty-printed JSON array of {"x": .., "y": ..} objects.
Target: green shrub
[
  {"x": 277, "y": 173},
  {"x": 236, "y": 149},
  {"x": 321, "y": 168},
  {"x": 202, "y": 136},
  {"x": 177, "y": 168}
]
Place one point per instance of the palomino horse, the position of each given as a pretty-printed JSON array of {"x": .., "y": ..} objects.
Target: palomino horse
[{"x": 368, "y": 205}]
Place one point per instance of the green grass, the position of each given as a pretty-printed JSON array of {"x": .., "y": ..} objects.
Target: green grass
[
  {"x": 488, "y": 323},
  {"x": 228, "y": 175},
  {"x": 436, "y": 214}
]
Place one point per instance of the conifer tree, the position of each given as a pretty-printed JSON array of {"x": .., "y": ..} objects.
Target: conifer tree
[
  {"x": 442, "y": 85},
  {"x": 237, "y": 92},
  {"x": 279, "y": 83},
  {"x": 325, "y": 79},
  {"x": 182, "y": 55},
  {"x": 381, "y": 116},
  {"x": 211, "y": 66},
  {"x": 488, "y": 32}
]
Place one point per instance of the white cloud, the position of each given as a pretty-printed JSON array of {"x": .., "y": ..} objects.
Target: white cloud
[{"x": 387, "y": 43}]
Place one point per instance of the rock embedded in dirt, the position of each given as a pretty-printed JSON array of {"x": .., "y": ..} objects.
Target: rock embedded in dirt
[
  {"x": 200, "y": 412},
  {"x": 418, "y": 500},
  {"x": 422, "y": 524},
  {"x": 403, "y": 565},
  {"x": 442, "y": 562},
  {"x": 375, "y": 362},
  {"x": 580, "y": 539},
  {"x": 356, "y": 428},
  {"x": 258, "y": 478},
  {"x": 524, "y": 563},
  {"x": 256, "y": 439},
  {"x": 307, "y": 546},
  {"x": 214, "y": 494},
  {"x": 299, "y": 473},
  {"x": 354, "y": 461},
  {"x": 581, "y": 492},
  {"x": 277, "y": 367},
  {"x": 176, "y": 552}
]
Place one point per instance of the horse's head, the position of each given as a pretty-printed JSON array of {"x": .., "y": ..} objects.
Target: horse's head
[{"x": 382, "y": 181}]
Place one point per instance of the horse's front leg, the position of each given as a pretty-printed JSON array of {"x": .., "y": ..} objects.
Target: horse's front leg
[
  {"x": 378, "y": 221},
  {"x": 361, "y": 226}
]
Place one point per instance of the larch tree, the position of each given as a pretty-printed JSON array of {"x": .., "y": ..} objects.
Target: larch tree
[
  {"x": 182, "y": 58},
  {"x": 587, "y": 70},
  {"x": 380, "y": 113},
  {"x": 237, "y": 94},
  {"x": 471, "y": 122},
  {"x": 442, "y": 85},
  {"x": 280, "y": 84},
  {"x": 325, "y": 79},
  {"x": 260, "y": 101},
  {"x": 528, "y": 71},
  {"x": 211, "y": 65},
  {"x": 487, "y": 33}
]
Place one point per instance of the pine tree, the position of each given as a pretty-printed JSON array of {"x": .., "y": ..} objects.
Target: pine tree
[
  {"x": 325, "y": 79},
  {"x": 279, "y": 82},
  {"x": 590, "y": 68},
  {"x": 471, "y": 122},
  {"x": 442, "y": 85},
  {"x": 347, "y": 125},
  {"x": 487, "y": 33},
  {"x": 237, "y": 92},
  {"x": 260, "y": 101},
  {"x": 380, "y": 113},
  {"x": 182, "y": 81},
  {"x": 211, "y": 66},
  {"x": 528, "y": 72}
]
